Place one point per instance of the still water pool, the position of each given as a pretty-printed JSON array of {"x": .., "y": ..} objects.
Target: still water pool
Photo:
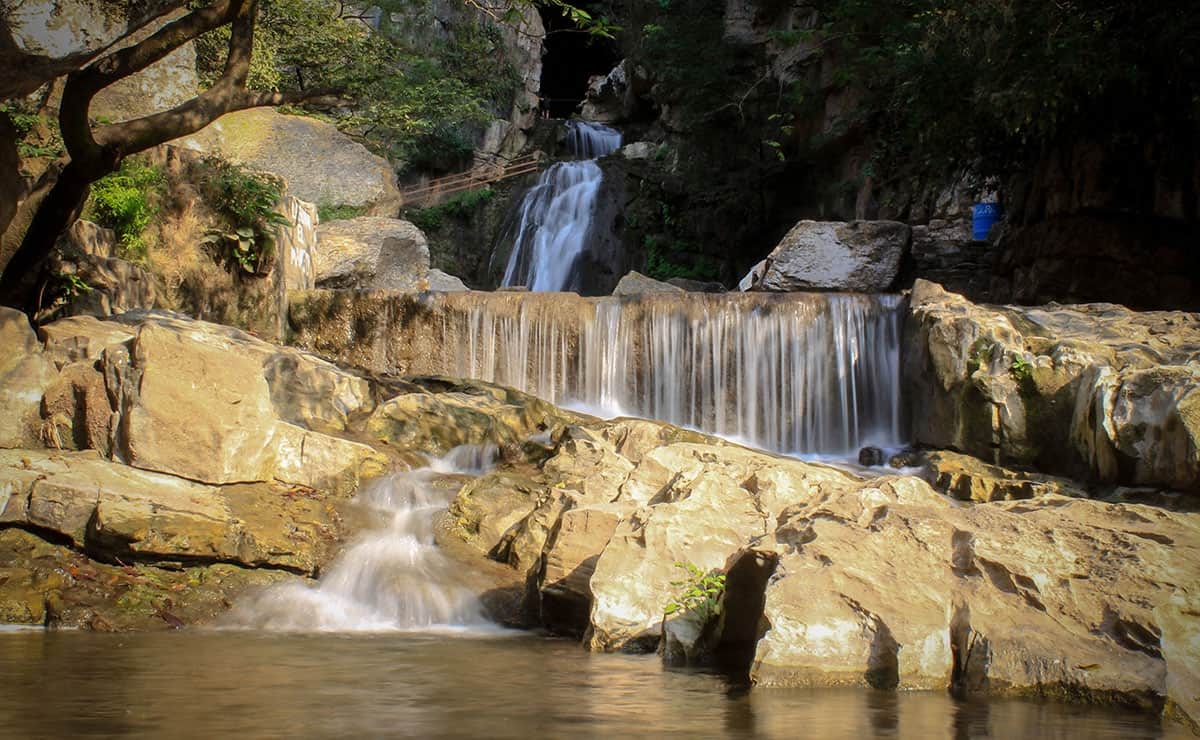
[{"x": 252, "y": 684}]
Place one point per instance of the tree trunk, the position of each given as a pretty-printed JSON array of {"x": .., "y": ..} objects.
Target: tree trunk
[{"x": 24, "y": 273}]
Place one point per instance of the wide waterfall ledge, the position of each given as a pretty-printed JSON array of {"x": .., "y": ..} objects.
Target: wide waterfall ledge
[{"x": 797, "y": 373}]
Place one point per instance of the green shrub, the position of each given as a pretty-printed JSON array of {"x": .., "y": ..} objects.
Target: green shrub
[
  {"x": 700, "y": 593},
  {"x": 460, "y": 206},
  {"x": 247, "y": 201},
  {"x": 126, "y": 201}
]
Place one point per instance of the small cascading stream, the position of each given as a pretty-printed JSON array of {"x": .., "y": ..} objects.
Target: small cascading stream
[
  {"x": 555, "y": 217},
  {"x": 798, "y": 373},
  {"x": 392, "y": 577}
]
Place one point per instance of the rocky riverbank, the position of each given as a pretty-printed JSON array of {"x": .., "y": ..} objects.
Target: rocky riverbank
[{"x": 155, "y": 467}]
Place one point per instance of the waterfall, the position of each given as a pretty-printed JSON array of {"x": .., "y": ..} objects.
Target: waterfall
[
  {"x": 393, "y": 576},
  {"x": 555, "y": 216},
  {"x": 798, "y": 373}
]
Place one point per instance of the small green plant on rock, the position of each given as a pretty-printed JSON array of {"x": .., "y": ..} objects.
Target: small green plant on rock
[
  {"x": 1021, "y": 369},
  {"x": 247, "y": 200},
  {"x": 700, "y": 593},
  {"x": 327, "y": 212}
]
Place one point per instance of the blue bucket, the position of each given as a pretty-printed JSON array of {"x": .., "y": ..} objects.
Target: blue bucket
[{"x": 984, "y": 216}]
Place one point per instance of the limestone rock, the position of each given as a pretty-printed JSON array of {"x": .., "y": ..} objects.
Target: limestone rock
[
  {"x": 697, "y": 286},
  {"x": 372, "y": 253},
  {"x": 76, "y": 410},
  {"x": 635, "y": 283},
  {"x": 296, "y": 244},
  {"x": 608, "y": 98},
  {"x": 639, "y": 150},
  {"x": 570, "y": 556},
  {"x": 1095, "y": 391},
  {"x": 754, "y": 278},
  {"x": 50, "y": 584},
  {"x": 453, "y": 413},
  {"x": 55, "y": 37},
  {"x": 214, "y": 427},
  {"x": 163, "y": 85},
  {"x": 320, "y": 164},
  {"x": 828, "y": 255},
  {"x": 112, "y": 510},
  {"x": 698, "y": 504},
  {"x": 24, "y": 374},
  {"x": 82, "y": 338}
]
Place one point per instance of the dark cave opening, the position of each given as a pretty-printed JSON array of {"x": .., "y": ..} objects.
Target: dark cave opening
[{"x": 571, "y": 57}]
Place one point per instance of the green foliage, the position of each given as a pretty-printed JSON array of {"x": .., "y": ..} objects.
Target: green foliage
[
  {"x": 71, "y": 285},
  {"x": 1021, "y": 369},
  {"x": 37, "y": 136},
  {"x": 327, "y": 212},
  {"x": 418, "y": 102},
  {"x": 460, "y": 206},
  {"x": 699, "y": 593},
  {"x": 126, "y": 201},
  {"x": 987, "y": 84},
  {"x": 673, "y": 37},
  {"x": 247, "y": 200}
]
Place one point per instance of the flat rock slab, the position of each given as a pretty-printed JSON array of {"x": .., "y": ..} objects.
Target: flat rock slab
[{"x": 115, "y": 511}]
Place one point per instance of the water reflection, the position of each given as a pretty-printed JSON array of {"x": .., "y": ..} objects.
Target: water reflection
[{"x": 254, "y": 684}]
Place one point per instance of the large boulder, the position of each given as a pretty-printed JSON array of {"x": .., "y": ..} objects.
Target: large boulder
[
  {"x": 372, "y": 253},
  {"x": 1094, "y": 391},
  {"x": 205, "y": 402},
  {"x": 320, "y": 164},
  {"x": 859, "y": 256},
  {"x": 53, "y": 38}
]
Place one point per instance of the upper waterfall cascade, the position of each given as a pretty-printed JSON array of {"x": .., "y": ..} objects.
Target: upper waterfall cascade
[{"x": 555, "y": 216}]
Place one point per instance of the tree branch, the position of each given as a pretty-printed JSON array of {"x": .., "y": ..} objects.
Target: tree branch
[
  {"x": 83, "y": 85},
  {"x": 188, "y": 118}
]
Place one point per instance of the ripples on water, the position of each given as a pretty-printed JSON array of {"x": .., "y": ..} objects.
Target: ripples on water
[{"x": 256, "y": 684}]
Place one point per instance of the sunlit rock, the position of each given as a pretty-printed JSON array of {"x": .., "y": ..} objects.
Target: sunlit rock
[{"x": 1092, "y": 391}]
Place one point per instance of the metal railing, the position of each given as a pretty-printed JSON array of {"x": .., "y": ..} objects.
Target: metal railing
[{"x": 477, "y": 177}]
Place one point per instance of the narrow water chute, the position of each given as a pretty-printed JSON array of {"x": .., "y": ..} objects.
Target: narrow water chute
[{"x": 554, "y": 220}]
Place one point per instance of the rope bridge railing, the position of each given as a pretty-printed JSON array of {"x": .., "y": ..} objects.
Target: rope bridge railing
[{"x": 477, "y": 177}]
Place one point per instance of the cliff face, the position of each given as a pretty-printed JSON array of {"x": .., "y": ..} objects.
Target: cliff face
[
  {"x": 770, "y": 132},
  {"x": 1096, "y": 222}
]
